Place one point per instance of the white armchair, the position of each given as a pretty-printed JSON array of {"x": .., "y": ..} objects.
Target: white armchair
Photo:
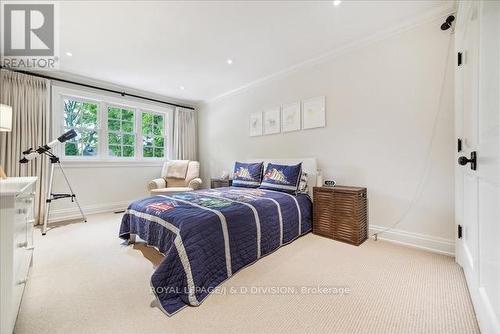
[{"x": 166, "y": 185}]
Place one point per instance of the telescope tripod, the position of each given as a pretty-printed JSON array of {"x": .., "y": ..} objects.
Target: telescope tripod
[{"x": 55, "y": 196}]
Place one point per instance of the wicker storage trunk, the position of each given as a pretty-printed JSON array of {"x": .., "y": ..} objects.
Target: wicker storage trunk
[{"x": 341, "y": 213}]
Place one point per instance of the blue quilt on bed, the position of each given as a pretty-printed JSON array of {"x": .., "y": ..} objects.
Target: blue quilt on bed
[{"x": 208, "y": 235}]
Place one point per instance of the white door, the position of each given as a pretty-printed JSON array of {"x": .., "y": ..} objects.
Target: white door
[
  {"x": 477, "y": 39},
  {"x": 467, "y": 118}
]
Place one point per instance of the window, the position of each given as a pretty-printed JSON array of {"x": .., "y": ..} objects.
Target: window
[
  {"x": 110, "y": 128},
  {"x": 153, "y": 135},
  {"x": 82, "y": 117},
  {"x": 121, "y": 136}
]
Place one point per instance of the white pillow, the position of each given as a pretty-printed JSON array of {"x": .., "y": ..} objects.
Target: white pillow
[{"x": 303, "y": 183}]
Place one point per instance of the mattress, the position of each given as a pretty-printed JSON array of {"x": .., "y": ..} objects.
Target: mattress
[{"x": 209, "y": 235}]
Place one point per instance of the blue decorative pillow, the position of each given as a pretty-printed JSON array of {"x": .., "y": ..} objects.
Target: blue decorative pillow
[
  {"x": 282, "y": 178},
  {"x": 247, "y": 174}
]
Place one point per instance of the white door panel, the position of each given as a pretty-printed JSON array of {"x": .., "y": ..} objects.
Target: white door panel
[
  {"x": 477, "y": 122},
  {"x": 489, "y": 162},
  {"x": 467, "y": 110},
  {"x": 469, "y": 226},
  {"x": 489, "y": 212}
]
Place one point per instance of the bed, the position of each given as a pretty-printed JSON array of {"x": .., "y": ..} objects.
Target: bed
[{"x": 207, "y": 236}]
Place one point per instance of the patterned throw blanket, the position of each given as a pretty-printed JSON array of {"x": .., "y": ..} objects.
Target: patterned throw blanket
[{"x": 208, "y": 235}]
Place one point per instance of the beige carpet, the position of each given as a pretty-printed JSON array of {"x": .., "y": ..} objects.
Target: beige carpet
[{"x": 84, "y": 280}]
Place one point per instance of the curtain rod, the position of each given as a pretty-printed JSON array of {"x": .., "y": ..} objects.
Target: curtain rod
[{"x": 123, "y": 93}]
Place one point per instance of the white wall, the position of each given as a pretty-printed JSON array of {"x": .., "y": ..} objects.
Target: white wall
[
  {"x": 101, "y": 188},
  {"x": 382, "y": 99}
]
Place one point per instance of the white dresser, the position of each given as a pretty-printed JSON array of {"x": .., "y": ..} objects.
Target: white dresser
[{"x": 16, "y": 245}]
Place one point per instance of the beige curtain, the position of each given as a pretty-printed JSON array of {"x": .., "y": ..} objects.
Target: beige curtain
[
  {"x": 29, "y": 98},
  {"x": 185, "y": 135}
]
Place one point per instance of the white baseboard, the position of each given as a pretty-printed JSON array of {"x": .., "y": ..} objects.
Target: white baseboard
[
  {"x": 72, "y": 212},
  {"x": 485, "y": 312},
  {"x": 417, "y": 240}
]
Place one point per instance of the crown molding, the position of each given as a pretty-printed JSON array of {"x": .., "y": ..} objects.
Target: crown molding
[{"x": 428, "y": 17}]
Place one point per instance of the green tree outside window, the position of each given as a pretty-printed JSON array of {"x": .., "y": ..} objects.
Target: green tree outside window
[
  {"x": 82, "y": 117},
  {"x": 153, "y": 140},
  {"x": 121, "y": 137}
]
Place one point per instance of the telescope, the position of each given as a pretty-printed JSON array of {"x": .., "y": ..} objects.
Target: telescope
[{"x": 31, "y": 154}]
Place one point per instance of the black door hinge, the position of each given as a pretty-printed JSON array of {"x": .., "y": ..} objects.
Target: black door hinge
[
  {"x": 459, "y": 228},
  {"x": 459, "y": 145},
  {"x": 459, "y": 59}
]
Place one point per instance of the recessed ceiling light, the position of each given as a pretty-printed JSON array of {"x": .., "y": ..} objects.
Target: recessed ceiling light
[
  {"x": 229, "y": 61},
  {"x": 69, "y": 54},
  {"x": 337, "y": 2},
  {"x": 181, "y": 87}
]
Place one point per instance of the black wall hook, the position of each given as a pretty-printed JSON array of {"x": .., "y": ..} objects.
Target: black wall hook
[{"x": 447, "y": 24}]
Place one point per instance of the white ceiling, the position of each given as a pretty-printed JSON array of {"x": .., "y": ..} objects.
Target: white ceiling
[{"x": 158, "y": 46}]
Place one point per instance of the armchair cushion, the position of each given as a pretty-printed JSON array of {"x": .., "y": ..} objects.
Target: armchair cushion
[{"x": 177, "y": 169}]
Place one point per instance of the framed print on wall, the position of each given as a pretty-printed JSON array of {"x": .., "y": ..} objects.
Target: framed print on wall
[
  {"x": 313, "y": 113},
  {"x": 290, "y": 117},
  {"x": 256, "y": 124},
  {"x": 272, "y": 121}
]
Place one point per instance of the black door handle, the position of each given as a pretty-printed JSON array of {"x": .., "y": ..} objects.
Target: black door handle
[{"x": 473, "y": 160}]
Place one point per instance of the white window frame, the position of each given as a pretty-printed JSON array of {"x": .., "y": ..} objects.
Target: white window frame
[{"x": 59, "y": 93}]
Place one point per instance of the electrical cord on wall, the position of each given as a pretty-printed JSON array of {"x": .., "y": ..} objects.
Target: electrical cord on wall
[{"x": 427, "y": 166}]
